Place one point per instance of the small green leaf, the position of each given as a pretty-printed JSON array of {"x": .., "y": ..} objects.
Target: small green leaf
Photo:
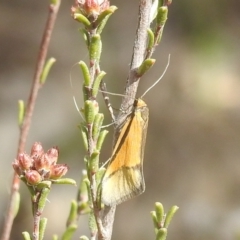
[
  {"x": 84, "y": 135},
  {"x": 103, "y": 18},
  {"x": 82, "y": 19},
  {"x": 72, "y": 217},
  {"x": 145, "y": 66},
  {"x": 95, "y": 48},
  {"x": 159, "y": 212},
  {"x": 99, "y": 177},
  {"x": 86, "y": 74},
  {"x": 162, "y": 16},
  {"x": 69, "y": 232},
  {"x": 65, "y": 181},
  {"x": 92, "y": 224},
  {"x": 97, "y": 124},
  {"x": 151, "y": 39},
  {"x": 26, "y": 236},
  {"x": 87, "y": 182},
  {"x": 84, "y": 238},
  {"x": 161, "y": 234},
  {"x": 170, "y": 215},
  {"x": 96, "y": 83},
  {"x": 44, "y": 184},
  {"x": 46, "y": 70},
  {"x": 85, "y": 34},
  {"x": 161, "y": 3},
  {"x": 21, "y": 112},
  {"x": 82, "y": 195},
  {"x": 155, "y": 222},
  {"x": 90, "y": 110},
  {"x": 101, "y": 139},
  {"x": 16, "y": 203},
  {"x": 43, "y": 199},
  {"x": 42, "y": 228},
  {"x": 84, "y": 208},
  {"x": 55, "y": 237},
  {"x": 54, "y": 2},
  {"x": 94, "y": 161}
]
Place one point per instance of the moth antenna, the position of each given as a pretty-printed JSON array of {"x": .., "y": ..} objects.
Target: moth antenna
[
  {"x": 108, "y": 125},
  {"x": 113, "y": 94},
  {"x": 107, "y": 99},
  {"x": 74, "y": 98},
  {"x": 76, "y": 106},
  {"x": 105, "y": 163},
  {"x": 160, "y": 78}
]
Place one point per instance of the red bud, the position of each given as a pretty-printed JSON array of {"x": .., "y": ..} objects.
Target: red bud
[
  {"x": 33, "y": 177},
  {"x": 58, "y": 171}
]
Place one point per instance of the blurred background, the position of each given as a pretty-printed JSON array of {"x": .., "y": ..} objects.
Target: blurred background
[{"x": 193, "y": 143}]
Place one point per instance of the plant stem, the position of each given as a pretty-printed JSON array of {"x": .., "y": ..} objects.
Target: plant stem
[
  {"x": 139, "y": 49},
  {"x": 53, "y": 10}
]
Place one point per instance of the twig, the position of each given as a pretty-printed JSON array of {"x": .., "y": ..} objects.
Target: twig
[
  {"x": 130, "y": 93},
  {"x": 53, "y": 10},
  {"x": 137, "y": 58}
]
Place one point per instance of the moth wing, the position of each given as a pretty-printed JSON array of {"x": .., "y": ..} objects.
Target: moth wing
[{"x": 124, "y": 178}]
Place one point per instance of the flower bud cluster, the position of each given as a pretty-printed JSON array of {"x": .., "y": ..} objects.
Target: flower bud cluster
[
  {"x": 90, "y": 7},
  {"x": 39, "y": 166}
]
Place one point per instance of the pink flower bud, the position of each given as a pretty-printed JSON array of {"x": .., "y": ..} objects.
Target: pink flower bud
[
  {"x": 58, "y": 170},
  {"x": 52, "y": 154},
  {"x": 25, "y": 161},
  {"x": 37, "y": 150},
  {"x": 43, "y": 163},
  {"x": 16, "y": 167},
  {"x": 33, "y": 177},
  {"x": 91, "y": 7}
]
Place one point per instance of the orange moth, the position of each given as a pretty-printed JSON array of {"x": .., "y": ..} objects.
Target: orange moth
[{"x": 124, "y": 178}]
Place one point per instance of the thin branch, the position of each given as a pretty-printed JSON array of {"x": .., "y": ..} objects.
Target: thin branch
[
  {"x": 53, "y": 10},
  {"x": 130, "y": 93},
  {"x": 137, "y": 58}
]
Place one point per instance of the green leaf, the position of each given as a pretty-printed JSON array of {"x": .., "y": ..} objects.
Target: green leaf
[
  {"x": 84, "y": 135},
  {"x": 72, "y": 217},
  {"x": 162, "y": 15},
  {"x": 96, "y": 83},
  {"x": 16, "y": 203},
  {"x": 90, "y": 110},
  {"x": 26, "y": 236},
  {"x": 145, "y": 66},
  {"x": 46, "y": 70},
  {"x": 82, "y": 19},
  {"x": 161, "y": 234},
  {"x": 42, "y": 228},
  {"x": 94, "y": 162},
  {"x": 101, "y": 139},
  {"x": 84, "y": 238},
  {"x": 155, "y": 221},
  {"x": 86, "y": 74},
  {"x": 69, "y": 232},
  {"x": 65, "y": 181},
  {"x": 43, "y": 199},
  {"x": 21, "y": 112},
  {"x": 151, "y": 39},
  {"x": 95, "y": 48},
  {"x": 55, "y": 237},
  {"x": 103, "y": 18},
  {"x": 159, "y": 212},
  {"x": 97, "y": 124},
  {"x": 170, "y": 215}
]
